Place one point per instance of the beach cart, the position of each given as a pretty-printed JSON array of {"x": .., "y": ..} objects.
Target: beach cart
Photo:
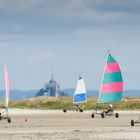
[{"x": 111, "y": 87}]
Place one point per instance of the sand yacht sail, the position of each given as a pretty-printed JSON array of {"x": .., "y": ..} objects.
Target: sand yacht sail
[
  {"x": 4, "y": 114},
  {"x": 112, "y": 83},
  {"x": 80, "y": 95},
  {"x": 80, "y": 92}
]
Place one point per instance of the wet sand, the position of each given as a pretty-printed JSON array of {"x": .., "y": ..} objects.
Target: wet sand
[{"x": 56, "y": 125}]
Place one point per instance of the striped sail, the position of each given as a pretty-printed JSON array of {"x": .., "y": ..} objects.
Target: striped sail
[
  {"x": 80, "y": 92},
  {"x": 6, "y": 87},
  {"x": 112, "y": 84}
]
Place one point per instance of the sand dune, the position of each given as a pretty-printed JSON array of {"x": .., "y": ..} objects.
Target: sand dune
[{"x": 56, "y": 125}]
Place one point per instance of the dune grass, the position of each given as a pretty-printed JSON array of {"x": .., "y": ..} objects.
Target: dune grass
[
  {"x": 66, "y": 102},
  {"x": 43, "y": 103}
]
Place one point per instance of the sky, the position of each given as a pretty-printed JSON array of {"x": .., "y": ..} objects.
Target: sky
[{"x": 68, "y": 38}]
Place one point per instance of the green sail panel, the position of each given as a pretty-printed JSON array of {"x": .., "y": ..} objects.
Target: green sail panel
[
  {"x": 112, "y": 77},
  {"x": 110, "y": 59},
  {"x": 110, "y": 97}
]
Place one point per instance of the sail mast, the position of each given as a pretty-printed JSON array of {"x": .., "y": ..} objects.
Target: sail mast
[{"x": 103, "y": 73}]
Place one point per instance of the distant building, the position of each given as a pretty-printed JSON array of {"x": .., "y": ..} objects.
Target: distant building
[{"x": 52, "y": 88}]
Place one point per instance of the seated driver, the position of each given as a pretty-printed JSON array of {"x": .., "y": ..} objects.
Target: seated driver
[
  {"x": 110, "y": 109},
  {"x": 78, "y": 107}
]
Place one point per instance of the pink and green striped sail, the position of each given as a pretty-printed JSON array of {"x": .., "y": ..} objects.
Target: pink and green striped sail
[{"x": 112, "y": 84}]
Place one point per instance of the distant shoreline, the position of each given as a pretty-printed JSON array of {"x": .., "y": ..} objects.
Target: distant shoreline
[{"x": 16, "y": 94}]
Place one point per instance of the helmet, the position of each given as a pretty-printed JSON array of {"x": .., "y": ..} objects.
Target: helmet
[{"x": 110, "y": 105}]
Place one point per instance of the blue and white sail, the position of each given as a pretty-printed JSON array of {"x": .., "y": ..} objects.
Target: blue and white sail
[{"x": 80, "y": 92}]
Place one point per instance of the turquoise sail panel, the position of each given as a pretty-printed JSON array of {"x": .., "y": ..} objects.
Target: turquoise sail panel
[
  {"x": 112, "y": 77},
  {"x": 110, "y": 59},
  {"x": 112, "y": 97}
]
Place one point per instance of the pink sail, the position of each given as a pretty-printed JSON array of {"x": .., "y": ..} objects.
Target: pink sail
[
  {"x": 6, "y": 83},
  {"x": 112, "y": 87},
  {"x": 112, "y": 67}
]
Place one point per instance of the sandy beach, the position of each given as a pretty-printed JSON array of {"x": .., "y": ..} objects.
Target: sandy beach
[{"x": 55, "y": 125}]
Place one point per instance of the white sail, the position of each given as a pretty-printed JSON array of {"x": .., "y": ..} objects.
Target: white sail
[
  {"x": 80, "y": 92},
  {"x": 6, "y": 87}
]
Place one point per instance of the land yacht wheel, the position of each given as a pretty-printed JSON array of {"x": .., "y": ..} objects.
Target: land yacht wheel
[
  {"x": 65, "y": 110},
  {"x": 92, "y": 116},
  {"x": 116, "y": 115},
  {"x": 102, "y": 115},
  {"x": 132, "y": 123},
  {"x": 9, "y": 120}
]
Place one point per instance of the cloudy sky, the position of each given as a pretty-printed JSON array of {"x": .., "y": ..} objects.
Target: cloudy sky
[{"x": 68, "y": 38}]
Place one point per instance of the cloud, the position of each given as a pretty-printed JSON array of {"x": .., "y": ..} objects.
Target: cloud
[
  {"x": 18, "y": 5},
  {"x": 45, "y": 16},
  {"x": 70, "y": 8}
]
